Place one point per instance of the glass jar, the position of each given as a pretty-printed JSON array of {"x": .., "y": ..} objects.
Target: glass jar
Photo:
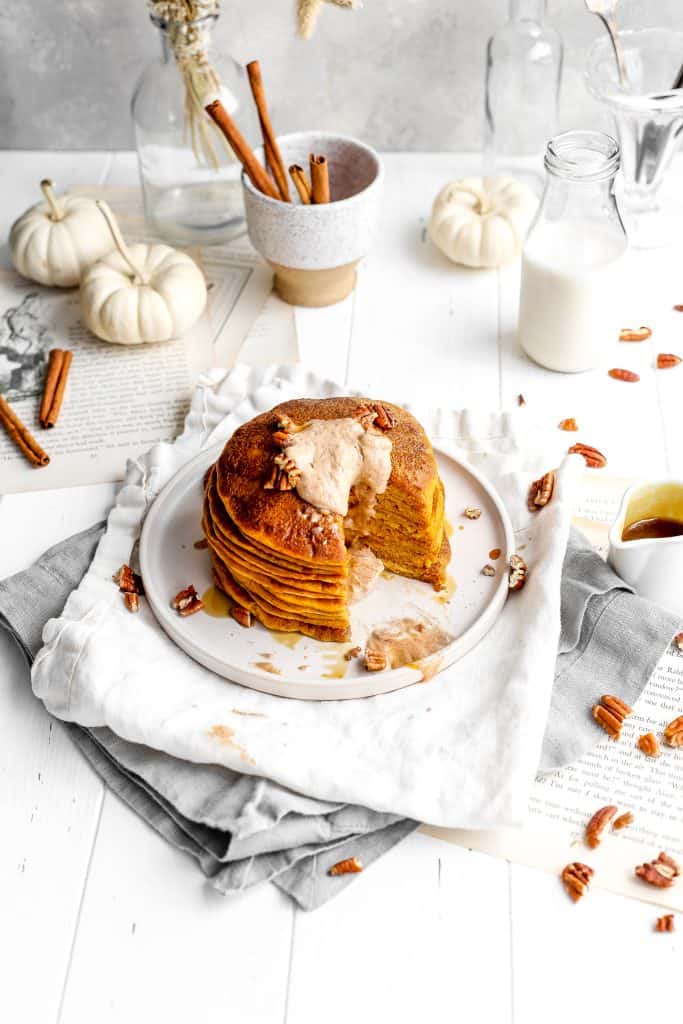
[
  {"x": 573, "y": 257},
  {"x": 190, "y": 178},
  {"x": 523, "y": 71}
]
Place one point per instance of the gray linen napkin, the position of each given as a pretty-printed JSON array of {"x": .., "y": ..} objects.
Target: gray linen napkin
[
  {"x": 611, "y": 641},
  {"x": 242, "y": 829}
]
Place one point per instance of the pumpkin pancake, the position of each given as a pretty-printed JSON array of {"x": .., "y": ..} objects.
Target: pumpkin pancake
[{"x": 316, "y": 492}]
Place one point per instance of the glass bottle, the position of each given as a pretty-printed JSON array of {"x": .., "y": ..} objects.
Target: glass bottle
[
  {"x": 573, "y": 258},
  {"x": 190, "y": 178},
  {"x": 523, "y": 71}
]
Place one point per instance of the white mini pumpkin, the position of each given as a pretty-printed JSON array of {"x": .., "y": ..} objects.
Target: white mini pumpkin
[
  {"x": 482, "y": 222},
  {"x": 55, "y": 241},
  {"x": 141, "y": 293}
]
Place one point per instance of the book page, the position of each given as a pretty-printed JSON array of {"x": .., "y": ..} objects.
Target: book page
[
  {"x": 120, "y": 399},
  {"x": 562, "y": 802}
]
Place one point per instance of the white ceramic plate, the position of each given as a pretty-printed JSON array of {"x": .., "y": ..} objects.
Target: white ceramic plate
[{"x": 291, "y": 665}]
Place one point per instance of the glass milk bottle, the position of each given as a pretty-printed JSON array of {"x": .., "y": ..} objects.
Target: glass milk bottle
[{"x": 573, "y": 258}]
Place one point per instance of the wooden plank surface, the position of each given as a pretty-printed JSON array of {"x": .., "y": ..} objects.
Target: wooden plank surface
[{"x": 102, "y": 919}]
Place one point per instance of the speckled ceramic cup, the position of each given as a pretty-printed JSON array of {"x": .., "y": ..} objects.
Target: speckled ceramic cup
[{"x": 314, "y": 250}]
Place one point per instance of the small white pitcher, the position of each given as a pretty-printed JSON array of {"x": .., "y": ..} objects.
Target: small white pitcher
[{"x": 653, "y": 565}]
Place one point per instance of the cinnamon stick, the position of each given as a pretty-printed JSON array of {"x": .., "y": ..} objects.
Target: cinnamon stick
[
  {"x": 300, "y": 180},
  {"x": 242, "y": 150},
  {"x": 320, "y": 180},
  {"x": 273, "y": 156},
  {"x": 55, "y": 384},
  {"x": 18, "y": 432}
]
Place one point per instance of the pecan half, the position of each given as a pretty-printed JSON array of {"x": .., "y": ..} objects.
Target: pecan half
[
  {"x": 242, "y": 616},
  {"x": 129, "y": 582},
  {"x": 665, "y": 360},
  {"x": 597, "y": 825},
  {"x": 619, "y": 374},
  {"x": 376, "y": 661},
  {"x": 576, "y": 878},
  {"x": 633, "y": 334},
  {"x": 623, "y": 821},
  {"x": 385, "y": 418},
  {"x": 665, "y": 923},
  {"x": 678, "y": 641},
  {"x": 132, "y": 601},
  {"x": 376, "y": 415},
  {"x": 649, "y": 744},
  {"x": 568, "y": 424},
  {"x": 628, "y": 375},
  {"x": 678, "y": 309},
  {"x": 541, "y": 491},
  {"x": 661, "y": 872},
  {"x": 187, "y": 602},
  {"x": 350, "y": 866},
  {"x": 673, "y": 734},
  {"x": 471, "y": 512},
  {"x": 288, "y": 425},
  {"x": 610, "y": 714},
  {"x": 284, "y": 476},
  {"x": 517, "y": 572},
  {"x": 352, "y": 653},
  {"x": 488, "y": 570},
  {"x": 592, "y": 457}
]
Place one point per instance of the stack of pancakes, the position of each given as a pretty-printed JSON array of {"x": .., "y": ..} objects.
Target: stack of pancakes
[{"x": 288, "y": 562}]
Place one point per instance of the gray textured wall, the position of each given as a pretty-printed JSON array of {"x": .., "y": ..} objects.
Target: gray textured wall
[{"x": 404, "y": 74}]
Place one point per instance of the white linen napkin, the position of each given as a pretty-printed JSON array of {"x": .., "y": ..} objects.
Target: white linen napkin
[{"x": 458, "y": 751}]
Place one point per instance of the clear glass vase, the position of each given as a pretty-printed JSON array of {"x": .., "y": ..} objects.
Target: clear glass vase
[
  {"x": 648, "y": 121},
  {"x": 523, "y": 72},
  {"x": 190, "y": 178}
]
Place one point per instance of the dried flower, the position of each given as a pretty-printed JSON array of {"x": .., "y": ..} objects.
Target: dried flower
[
  {"x": 186, "y": 27},
  {"x": 307, "y": 12}
]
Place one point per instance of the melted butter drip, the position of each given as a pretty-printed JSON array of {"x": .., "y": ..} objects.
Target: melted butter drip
[{"x": 216, "y": 603}]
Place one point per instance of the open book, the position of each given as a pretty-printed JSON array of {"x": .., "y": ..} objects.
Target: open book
[
  {"x": 562, "y": 802},
  {"x": 120, "y": 399}
]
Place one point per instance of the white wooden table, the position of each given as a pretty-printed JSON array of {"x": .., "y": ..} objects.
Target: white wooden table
[{"x": 101, "y": 921}]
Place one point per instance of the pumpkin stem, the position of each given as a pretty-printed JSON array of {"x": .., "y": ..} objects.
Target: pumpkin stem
[
  {"x": 48, "y": 190},
  {"x": 139, "y": 276},
  {"x": 483, "y": 206}
]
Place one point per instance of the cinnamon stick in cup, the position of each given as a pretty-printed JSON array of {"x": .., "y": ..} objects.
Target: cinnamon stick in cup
[
  {"x": 273, "y": 156},
  {"x": 21, "y": 436},
  {"x": 299, "y": 178},
  {"x": 320, "y": 180},
  {"x": 242, "y": 149},
  {"x": 54, "y": 387}
]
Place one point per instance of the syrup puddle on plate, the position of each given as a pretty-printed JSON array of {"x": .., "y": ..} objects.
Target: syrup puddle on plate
[
  {"x": 444, "y": 596},
  {"x": 336, "y": 664},
  {"x": 267, "y": 666},
  {"x": 216, "y": 603},
  {"x": 286, "y": 639}
]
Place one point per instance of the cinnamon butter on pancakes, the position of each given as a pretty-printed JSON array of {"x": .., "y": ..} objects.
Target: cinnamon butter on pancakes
[{"x": 308, "y": 502}]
